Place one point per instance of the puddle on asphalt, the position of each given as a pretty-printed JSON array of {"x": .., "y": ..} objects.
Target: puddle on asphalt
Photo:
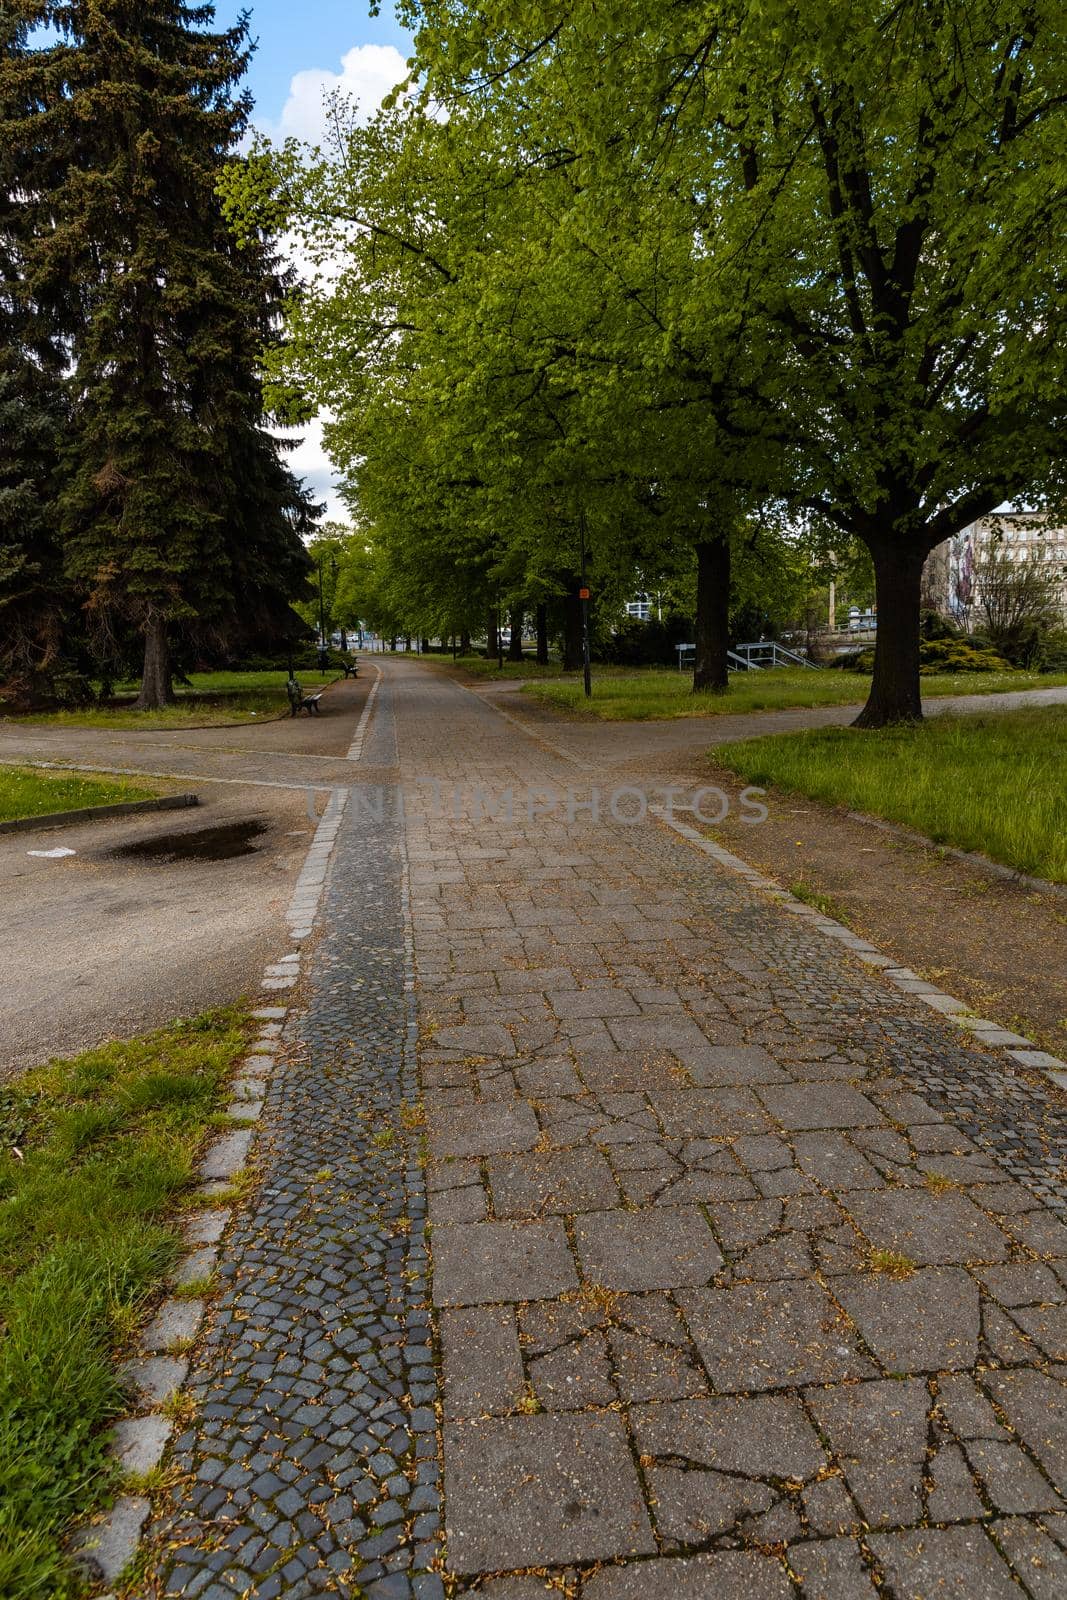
[{"x": 196, "y": 844}]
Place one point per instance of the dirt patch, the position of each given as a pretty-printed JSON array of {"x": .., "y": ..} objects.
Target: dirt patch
[
  {"x": 221, "y": 843},
  {"x": 996, "y": 944}
]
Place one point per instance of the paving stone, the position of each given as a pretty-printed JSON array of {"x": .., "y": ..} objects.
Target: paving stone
[
  {"x": 1039, "y": 1562},
  {"x": 765, "y": 1336},
  {"x": 138, "y": 1443},
  {"x": 615, "y": 1071},
  {"x": 108, "y": 1546},
  {"x": 175, "y": 1322},
  {"x": 646, "y": 1369},
  {"x": 558, "y": 1181},
  {"x": 730, "y": 1064},
  {"x": 878, "y": 1431},
  {"x": 535, "y": 1490},
  {"x": 820, "y": 1105},
  {"x": 951, "y": 1563},
  {"x": 155, "y": 1378},
  {"x": 725, "y": 1575},
  {"x": 486, "y": 1262},
  {"x": 832, "y": 1160},
  {"x": 227, "y": 1156},
  {"x": 927, "y": 1322},
  {"x": 499, "y": 1125},
  {"x": 482, "y": 1361},
  {"x": 927, "y": 1228},
  {"x": 832, "y": 1569},
  {"x": 657, "y": 1249},
  {"x": 736, "y": 1443},
  {"x": 575, "y": 1376}
]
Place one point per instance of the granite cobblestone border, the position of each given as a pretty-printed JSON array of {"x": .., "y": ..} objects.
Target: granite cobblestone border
[
  {"x": 106, "y": 1547},
  {"x": 1021, "y": 1050}
]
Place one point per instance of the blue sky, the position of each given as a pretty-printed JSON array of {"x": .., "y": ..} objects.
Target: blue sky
[
  {"x": 306, "y": 47},
  {"x": 308, "y": 37}
]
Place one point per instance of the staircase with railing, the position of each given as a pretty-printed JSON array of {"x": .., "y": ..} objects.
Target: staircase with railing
[{"x": 758, "y": 656}]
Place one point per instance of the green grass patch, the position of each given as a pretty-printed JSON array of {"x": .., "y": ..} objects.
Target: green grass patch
[
  {"x": 210, "y": 699},
  {"x": 989, "y": 781},
  {"x": 30, "y": 792},
  {"x": 481, "y": 667},
  {"x": 95, "y": 1155},
  {"x": 623, "y": 696}
]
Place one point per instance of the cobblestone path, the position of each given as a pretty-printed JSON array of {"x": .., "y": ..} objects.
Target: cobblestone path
[{"x": 749, "y": 1275}]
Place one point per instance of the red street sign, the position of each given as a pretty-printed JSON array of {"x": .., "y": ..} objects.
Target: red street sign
[{"x": 583, "y": 594}]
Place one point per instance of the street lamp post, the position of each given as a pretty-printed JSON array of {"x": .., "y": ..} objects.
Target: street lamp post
[
  {"x": 583, "y": 594},
  {"x": 324, "y": 649}
]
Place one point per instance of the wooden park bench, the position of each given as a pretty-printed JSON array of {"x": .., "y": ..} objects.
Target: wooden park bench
[
  {"x": 351, "y": 669},
  {"x": 299, "y": 701}
]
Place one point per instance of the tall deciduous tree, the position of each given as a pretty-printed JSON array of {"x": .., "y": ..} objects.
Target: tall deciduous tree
[{"x": 872, "y": 205}]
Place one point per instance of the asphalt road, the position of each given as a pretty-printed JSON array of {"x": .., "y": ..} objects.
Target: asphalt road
[{"x": 107, "y": 943}]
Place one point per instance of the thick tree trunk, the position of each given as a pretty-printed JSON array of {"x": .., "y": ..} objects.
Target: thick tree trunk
[
  {"x": 711, "y": 666},
  {"x": 542, "y": 635},
  {"x": 156, "y": 690},
  {"x": 425, "y": 645},
  {"x": 491, "y": 647},
  {"x": 464, "y": 644},
  {"x": 895, "y": 695},
  {"x": 572, "y": 630},
  {"x": 516, "y": 617}
]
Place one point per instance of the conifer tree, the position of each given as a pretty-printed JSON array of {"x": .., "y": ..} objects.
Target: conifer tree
[
  {"x": 32, "y": 613},
  {"x": 143, "y": 113}
]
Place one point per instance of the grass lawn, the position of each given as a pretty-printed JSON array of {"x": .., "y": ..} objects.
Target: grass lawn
[
  {"x": 28, "y": 792},
  {"x": 480, "y": 667},
  {"x": 620, "y": 696},
  {"x": 992, "y": 782},
  {"x": 96, "y": 1154},
  {"x": 213, "y": 698}
]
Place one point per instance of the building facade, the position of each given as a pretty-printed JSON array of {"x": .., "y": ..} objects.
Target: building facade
[{"x": 952, "y": 577}]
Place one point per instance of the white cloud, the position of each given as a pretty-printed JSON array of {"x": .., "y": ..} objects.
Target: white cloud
[
  {"x": 368, "y": 72},
  {"x": 310, "y": 462}
]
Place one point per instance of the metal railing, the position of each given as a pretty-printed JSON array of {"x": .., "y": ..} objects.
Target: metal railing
[{"x": 754, "y": 657}]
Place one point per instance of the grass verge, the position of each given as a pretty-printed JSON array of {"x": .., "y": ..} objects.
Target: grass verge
[
  {"x": 29, "y": 792},
  {"x": 638, "y": 696},
  {"x": 990, "y": 781},
  {"x": 95, "y": 1156},
  {"x": 210, "y": 699}
]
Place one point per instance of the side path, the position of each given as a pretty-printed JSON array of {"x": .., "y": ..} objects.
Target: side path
[
  {"x": 312, "y": 1453},
  {"x": 748, "y": 1272}
]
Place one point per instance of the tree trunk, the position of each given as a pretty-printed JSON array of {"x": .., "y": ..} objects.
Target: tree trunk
[
  {"x": 572, "y": 630},
  {"x": 711, "y": 666},
  {"x": 491, "y": 648},
  {"x": 425, "y": 645},
  {"x": 156, "y": 690},
  {"x": 516, "y": 618},
  {"x": 464, "y": 644},
  {"x": 542, "y": 635},
  {"x": 895, "y": 695}
]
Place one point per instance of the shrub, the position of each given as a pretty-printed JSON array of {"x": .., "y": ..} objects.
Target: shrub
[{"x": 959, "y": 655}]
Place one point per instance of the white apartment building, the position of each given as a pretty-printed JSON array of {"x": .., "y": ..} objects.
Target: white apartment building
[{"x": 952, "y": 577}]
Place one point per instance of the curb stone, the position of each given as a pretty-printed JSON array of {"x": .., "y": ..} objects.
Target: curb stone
[
  {"x": 992, "y": 1034},
  {"x": 121, "y": 808},
  {"x": 104, "y": 1548}
]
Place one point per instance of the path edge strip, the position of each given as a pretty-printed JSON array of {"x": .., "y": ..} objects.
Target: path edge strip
[
  {"x": 106, "y": 1546},
  {"x": 1024, "y": 1052}
]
